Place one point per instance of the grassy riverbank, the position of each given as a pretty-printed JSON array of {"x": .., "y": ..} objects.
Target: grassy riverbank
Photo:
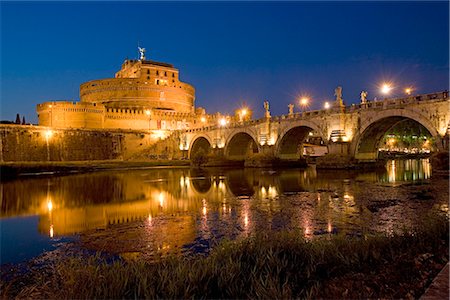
[
  {"x": 15, "y": 169},
  {"x": 281, "y": 265}
]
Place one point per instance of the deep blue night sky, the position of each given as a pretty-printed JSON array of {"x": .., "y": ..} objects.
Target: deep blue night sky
[{"x": 232, "y": 52}]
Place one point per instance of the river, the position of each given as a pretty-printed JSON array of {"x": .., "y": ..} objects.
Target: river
[{"x": 153, "y": 212}]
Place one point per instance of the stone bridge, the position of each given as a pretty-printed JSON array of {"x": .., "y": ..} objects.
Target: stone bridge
[{"x": 353, "y": 131}]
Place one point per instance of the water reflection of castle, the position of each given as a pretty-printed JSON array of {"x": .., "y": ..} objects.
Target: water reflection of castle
[
  {"x": 73, "y": 204},
  {"x": 136, "y": 197}
]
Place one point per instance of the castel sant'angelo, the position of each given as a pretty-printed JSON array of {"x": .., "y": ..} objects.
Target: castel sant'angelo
[{"x": 144, "y": 94}]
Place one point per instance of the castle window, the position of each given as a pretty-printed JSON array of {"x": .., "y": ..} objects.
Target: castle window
[
  {"x": 157, "y": 72},
  {"x": 157, "y": 81},
  {"x": 148, "y": 77},
  {"x": 148, "y": 71},
  {"x": 173, "y": 74},
  {"x": 165, "y": 73}
]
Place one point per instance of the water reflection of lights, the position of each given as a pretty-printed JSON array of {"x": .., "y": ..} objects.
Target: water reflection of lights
[
  {"x": 161, "y": 199},
  {"x": 246, "y": 220},
  {"x": 270, "y": 192},
  {"x": 150, "y": 219},
  {"x": 184, "y": 181},
  {"x": 51, "y": 231},
  {"x": 221, "y": 186},
  {"x": 49, "y": 205},
  {"x": 329, "y": 227},
  {"x": 204, "y": 211},
  {"x": 391, "y": 172}
]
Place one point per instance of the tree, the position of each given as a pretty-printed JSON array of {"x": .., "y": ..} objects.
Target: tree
[
  {"x": 23, "y": 120},
  {"x": 18, "y": 119}
]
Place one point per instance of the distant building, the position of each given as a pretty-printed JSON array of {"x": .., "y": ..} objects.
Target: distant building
[{"x": 144, "y": 94}]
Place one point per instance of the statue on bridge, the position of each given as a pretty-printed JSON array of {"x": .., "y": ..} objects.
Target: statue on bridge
[
  {"x": 363, "y": 97},
  {"x": 266, "y": 107},
  {"x": 291, "y": 109},
  {"x": 338, "y": 94}
]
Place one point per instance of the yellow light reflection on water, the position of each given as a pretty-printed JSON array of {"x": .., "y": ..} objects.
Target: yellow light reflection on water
[
  {"x": 161, "y": 199},
  {"x": 246, "y": 220},
  {"x": 49, "y": 205},
  {"x": 51, "y": 231}
]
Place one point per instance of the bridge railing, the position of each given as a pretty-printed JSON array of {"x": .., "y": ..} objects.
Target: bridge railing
[{"x": 380, "y": 104}]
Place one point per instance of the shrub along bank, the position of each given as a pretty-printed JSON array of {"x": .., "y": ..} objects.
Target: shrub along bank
[{"x": 277, "y": 265}]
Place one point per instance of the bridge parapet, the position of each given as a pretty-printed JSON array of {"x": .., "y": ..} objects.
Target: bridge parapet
[{"x": 356, "y": 124}]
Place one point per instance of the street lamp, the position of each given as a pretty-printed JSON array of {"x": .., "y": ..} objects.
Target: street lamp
[
  {"x": 408, "y": 91},
  {"x": 242, "y": 113},
  {"x": 386, "y": 88},
  {"x": 326, "y": 105},
  {"x": 304, "y": 102},
  {"x": 222, "y": 122}
]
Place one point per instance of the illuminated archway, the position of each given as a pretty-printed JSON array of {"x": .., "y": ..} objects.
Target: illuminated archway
[{"x": 366, "y": 145}]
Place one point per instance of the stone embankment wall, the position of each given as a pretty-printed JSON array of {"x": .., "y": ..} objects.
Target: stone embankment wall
[{"x": 37, "y": 143}]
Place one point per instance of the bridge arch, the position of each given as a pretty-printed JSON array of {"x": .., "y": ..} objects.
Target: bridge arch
[
  {"x": 240, "y": 144},
  {"x": 366, "y": 142},
  {"x": 293, "y": 136},
  {"x": 200, "y": 143}
]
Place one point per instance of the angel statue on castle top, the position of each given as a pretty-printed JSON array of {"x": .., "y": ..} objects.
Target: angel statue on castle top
[{"x": 141, "y": 53}]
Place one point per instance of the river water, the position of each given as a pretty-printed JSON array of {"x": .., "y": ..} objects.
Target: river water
[{"x": 152, "y": 212}]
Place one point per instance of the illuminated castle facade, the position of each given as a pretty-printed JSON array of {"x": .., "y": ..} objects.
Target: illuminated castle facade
[{"x": 144, "y": 94}]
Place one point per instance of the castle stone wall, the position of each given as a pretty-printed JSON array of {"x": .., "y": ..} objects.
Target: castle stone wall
[{"x": 37, "y": 143}]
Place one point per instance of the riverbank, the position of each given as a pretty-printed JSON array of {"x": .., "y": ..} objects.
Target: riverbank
[
  {"x": 10, "y": 170},
  {"x": 275, "y": 265}
]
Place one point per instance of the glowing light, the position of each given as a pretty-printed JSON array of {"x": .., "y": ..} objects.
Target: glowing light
[
  {"x": 386, "y": 88},
  {"x": 408, "y": 91},
  {"x": 304, "y": 101},
  {"x": 329, "y": 227},
  {"x": 203, "y": 119},
  {"x": 50, "y": 233},
  {"x": 222, "y": 122},
  {"x": 147, "y": 112},
  {"x": 246, "y": 220},
  {"x": 49, "y": 205},
  {"x": 50, "y": 106},
  {"x": 48, "y": 134},
  {"x": 150, "y": 219},
  {"x": 326, "y": 105},
  {"x": 310, "y": 133}
]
